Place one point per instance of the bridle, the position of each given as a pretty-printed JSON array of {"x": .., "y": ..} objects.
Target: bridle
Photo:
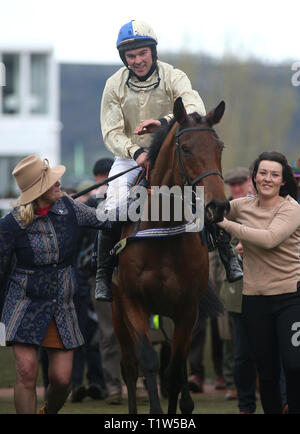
[{"x": 186, "y": 179}]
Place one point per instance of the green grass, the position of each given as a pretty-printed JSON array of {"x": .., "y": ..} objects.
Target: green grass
[
  {"x": 7, "y": 368},
  {"x": 206, "y": 403}
]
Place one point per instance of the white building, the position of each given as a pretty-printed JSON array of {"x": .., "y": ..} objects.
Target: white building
[{"x": 29, "y": 109}]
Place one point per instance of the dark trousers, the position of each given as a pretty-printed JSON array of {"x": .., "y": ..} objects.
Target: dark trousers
[
  {"x": 244, "y": 366},
  {"x": 217, "y": 347},
  {"x": 273, "y": 328},
  {"x": 89, "y": 354},
  {"x": 90, "y": 357},
  {"x": 196, "y": 354},
  {"x": 197, "y": 347}
]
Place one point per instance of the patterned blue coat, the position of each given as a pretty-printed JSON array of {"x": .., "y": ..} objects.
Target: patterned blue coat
[{"x": 42, "y": 283}]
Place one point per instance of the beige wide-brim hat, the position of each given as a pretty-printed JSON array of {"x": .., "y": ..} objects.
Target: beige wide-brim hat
[{"x": 34, "y": 177}]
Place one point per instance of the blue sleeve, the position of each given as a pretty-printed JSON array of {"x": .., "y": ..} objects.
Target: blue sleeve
[{"x": 85, "y": 215}]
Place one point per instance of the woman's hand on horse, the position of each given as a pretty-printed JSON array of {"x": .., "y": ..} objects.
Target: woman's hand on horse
[
  {"x": 142, "y": 160},
  {"x": 148, "y": 126},
  {"x": 222, "y": 224}
]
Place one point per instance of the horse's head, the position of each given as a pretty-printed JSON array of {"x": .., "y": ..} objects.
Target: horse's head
[{"x": 199, "y": 152}]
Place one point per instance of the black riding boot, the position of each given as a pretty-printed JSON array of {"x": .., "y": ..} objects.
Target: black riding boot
[
  {"x": 219, "y": 238},
  {"x": 231, "y": 264},
  {"x": 105, "y": 263}
]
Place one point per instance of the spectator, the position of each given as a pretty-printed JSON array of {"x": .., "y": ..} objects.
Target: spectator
[
  {"x": 109, "y": 346},
  {"x": 88, "y": 355},
  {"x": 244, "y": 367},
  {"x": 40, "y": 233},
  {"x": 268, "y": 226}
]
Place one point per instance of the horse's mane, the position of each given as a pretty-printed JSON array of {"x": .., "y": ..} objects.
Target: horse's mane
[
  {"x": 160, "y": 136},
  {"x": 158, "y": 140}
]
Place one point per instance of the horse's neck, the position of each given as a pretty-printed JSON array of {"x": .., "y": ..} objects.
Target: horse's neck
[{"x": 164, "y": 175}]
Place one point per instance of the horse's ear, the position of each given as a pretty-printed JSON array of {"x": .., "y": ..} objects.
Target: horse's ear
[
  {"x": 215, "y": 115},
  {"x": 179, "y": 111}
]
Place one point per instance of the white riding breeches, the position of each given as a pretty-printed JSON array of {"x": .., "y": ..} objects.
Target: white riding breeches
[{"x": 118, "y": 190}]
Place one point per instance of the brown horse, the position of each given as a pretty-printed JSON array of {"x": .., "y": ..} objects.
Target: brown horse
[{"x": 167, "y": 276}]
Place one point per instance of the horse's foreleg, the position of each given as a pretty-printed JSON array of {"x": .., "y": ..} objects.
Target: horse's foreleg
[
  {"x": 129, "y": 369},
  {"x": 174, "y": 380},
  {"x": 186, "y": 403},
  {"x": 149, "y": 364},
  {"x": 177, "y": 375},
  {"x": 129, "y": 362},
  {"x": 177, "y": 372}
]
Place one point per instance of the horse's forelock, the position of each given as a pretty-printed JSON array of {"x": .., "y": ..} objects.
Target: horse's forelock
[
  {"x": 197, "y": 118},
  {"x": 162, "y": 133}
]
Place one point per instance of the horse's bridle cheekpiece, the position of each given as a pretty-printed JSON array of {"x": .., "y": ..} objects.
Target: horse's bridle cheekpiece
[{"x": 184, "y": 175}]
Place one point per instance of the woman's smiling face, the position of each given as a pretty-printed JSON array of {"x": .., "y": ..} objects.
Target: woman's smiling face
[{"x": 269, "y": 178}]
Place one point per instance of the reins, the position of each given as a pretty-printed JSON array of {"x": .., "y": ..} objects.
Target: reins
[{"x": 99, "y": 184}]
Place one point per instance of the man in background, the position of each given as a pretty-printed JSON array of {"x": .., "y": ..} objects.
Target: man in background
[
  {"x": 239, "y": 368},
  {"x": 109, "y": 346}
]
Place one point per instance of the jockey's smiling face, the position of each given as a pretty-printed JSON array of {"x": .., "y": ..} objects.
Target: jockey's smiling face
[{"x": 139, "y": 60}]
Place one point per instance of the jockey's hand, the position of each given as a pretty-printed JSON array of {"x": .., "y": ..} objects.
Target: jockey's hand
[
  {"x": 149, "y": 126},
  {"x": 142, "y": 160}
]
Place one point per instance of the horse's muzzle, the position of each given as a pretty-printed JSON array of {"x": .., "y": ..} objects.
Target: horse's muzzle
[{"x": 216, "y": 210}]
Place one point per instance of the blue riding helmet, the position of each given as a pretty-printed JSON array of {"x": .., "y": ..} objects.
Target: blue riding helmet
[{"x": 136, "y": 34}]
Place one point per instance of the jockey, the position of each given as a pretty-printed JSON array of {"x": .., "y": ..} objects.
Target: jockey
[{"x": 136, "y": 101}]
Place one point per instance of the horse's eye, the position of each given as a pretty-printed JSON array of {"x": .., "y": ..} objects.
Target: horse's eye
[{"x": 185, "y": 149}]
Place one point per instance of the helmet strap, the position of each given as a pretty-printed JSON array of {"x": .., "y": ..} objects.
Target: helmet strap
[{"x": 154, "y": 67}]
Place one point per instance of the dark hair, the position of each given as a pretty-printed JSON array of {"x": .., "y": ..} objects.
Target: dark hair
[
  {"x": 102, "y": 166},
  {"x": 157, "y": 141},
  {"x": 290, "y": 186}
]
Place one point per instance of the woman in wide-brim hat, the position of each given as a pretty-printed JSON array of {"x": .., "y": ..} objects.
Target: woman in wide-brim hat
[
  {"x": 34, "y": 177},
  {"x": 38, "y": 241}
]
